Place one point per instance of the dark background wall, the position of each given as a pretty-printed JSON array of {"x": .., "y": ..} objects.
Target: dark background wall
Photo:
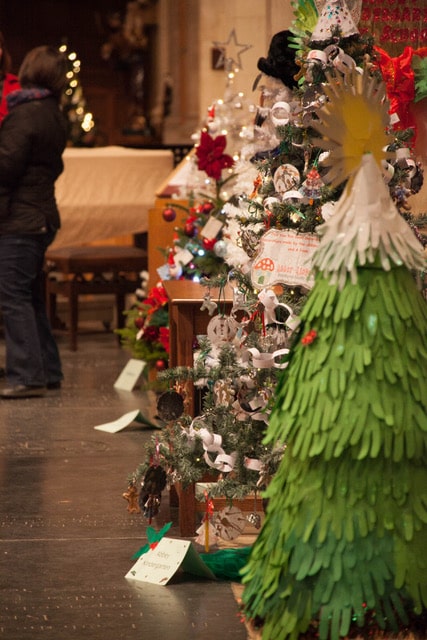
[{"x": 84, "y": 26}]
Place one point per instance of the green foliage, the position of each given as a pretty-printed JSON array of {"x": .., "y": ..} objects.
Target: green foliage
[
  {"x": 347, "y": 515},
  {"x": 150, "y": 351},
  {"x": 146, "y": 330},
  {"x": 180, "y": 446}
]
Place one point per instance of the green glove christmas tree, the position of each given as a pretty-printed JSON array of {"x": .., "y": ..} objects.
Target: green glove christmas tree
[{"x": 345, "y": 536}]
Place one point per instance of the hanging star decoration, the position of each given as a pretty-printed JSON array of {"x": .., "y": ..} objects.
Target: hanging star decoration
[{"x": 231, "y": 51}]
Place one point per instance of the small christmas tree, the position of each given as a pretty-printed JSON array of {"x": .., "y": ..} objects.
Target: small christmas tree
[
  {"x": 199, "y": 245},
  {"x": 81, "y": 122},
  {"x": 343, "y": 542},
  {"x": 146, "y": 331}
]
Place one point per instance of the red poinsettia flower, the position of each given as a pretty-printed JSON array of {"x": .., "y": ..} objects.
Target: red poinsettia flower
[{"x": 211, "y": 156}]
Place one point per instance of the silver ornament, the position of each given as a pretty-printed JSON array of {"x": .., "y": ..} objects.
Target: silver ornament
[
  {"x": 220, "y": 249},
  {"x": 254, "y": 519}
]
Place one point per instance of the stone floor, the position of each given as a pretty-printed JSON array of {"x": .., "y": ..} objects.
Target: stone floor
[{"x": 66, "y": 538}]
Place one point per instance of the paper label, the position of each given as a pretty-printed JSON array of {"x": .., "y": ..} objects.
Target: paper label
[
  {"x": 284, "y": 258},
  {"x": 184, "y": 256},
  {"x": 394, "y": 25},
  {"x": 211, "y": 229},
  {"x": 160, "y": 564},
  {"x": 125, "y": 420},
  {"x": 130, "y": 375},
  {"x": 163, "y": 272}
]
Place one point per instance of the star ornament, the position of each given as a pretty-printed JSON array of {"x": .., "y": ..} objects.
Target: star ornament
[{"x": 231, "y": 51}]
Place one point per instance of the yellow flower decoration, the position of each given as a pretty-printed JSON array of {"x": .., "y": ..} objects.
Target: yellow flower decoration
[{"x": 353, "y": 122}]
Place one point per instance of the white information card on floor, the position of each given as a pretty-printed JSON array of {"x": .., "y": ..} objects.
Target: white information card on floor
[
  {"x": 122, "y": 422},
  {"x": 130, "y": 375},
  {"x": 160, "y": 564}
]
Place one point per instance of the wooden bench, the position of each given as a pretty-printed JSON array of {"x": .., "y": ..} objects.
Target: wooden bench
[{"x": 91, "y": 270}]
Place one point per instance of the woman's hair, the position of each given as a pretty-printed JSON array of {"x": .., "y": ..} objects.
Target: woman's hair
[
  {"x": 44, "y": 67},
  {"x": 5, "y": 59}
]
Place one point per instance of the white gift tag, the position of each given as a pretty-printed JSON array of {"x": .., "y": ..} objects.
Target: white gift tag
[
  {"x": 211, "y": 229},
  {"x": 184, "y": 256}
]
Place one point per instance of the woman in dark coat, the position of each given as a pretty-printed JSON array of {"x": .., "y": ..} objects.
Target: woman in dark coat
[{"x": 32, "y": 139}]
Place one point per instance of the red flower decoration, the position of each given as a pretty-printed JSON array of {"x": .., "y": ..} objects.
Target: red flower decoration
[
  {"x": 157, "y": 297},
  {"x": 309, "y": 337},
  {"x": 151, "y": 333},
  {"x": 211, "y": 156}
]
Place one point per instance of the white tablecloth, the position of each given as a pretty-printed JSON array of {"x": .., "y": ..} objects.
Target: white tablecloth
[{"x": 106, "y": 192}]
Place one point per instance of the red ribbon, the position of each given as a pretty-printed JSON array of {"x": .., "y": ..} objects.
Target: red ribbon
[{"x": 209, "y": 507}]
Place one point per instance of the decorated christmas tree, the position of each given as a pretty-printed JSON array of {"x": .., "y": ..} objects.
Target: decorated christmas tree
[
  {"x": 146, "y": 331},
  {"x": 212, "y": 175},
  {"x": 342, "y": 548},
  {"x": 266, "y": 231},
  {"x": 81, "y": 122},
  {"x": 275, "y": 188}
]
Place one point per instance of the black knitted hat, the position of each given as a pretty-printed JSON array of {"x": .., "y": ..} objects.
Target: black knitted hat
[{"x": 280, "y": 61}]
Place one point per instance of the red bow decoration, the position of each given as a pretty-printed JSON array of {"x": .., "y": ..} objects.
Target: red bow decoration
[{"x": 399, "y": 78}]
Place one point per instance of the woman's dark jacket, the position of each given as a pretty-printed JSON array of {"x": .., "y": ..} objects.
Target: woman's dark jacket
[{"x": 33, "y": 137}]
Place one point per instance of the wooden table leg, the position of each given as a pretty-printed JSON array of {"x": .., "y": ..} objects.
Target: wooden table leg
[
  {"x": 73, "y": 313},
  {"x": 187, "y": 510}
]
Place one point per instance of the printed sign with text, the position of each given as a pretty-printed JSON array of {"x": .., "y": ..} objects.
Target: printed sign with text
[{"x": 284, "y": 258}]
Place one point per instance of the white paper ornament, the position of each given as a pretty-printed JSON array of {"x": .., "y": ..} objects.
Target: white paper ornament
[
  {"x": 335, "y": 14},
  {"x": 221, "y": 329},
  {"x": 280, "y": 114},
  {"x": 318, "y": 56},
  {"x": 354, "y": 6},
  {"x": 292, "y": 195},
  {"x": 286, "y": 178},
  {"x": 229, "y": 523},
  {"x": 206, "y": 535}
]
